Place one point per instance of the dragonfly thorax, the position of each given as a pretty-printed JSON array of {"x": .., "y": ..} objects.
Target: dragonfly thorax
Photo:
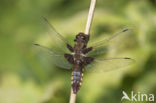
[
  {"x": 79, "y": 59},
  {"x": 78, "y": 52},
  {"x": 81, "y": 41}
]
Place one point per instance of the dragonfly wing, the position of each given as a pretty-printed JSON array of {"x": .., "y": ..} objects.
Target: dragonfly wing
[
  {"x": 56, "y": 37},
  {"x": 61, "y": 62},
  {"x": 56, "y": 57},
  {"x": 102, "y": 46},
  {"x": 98, "y": 51},
  {"x": 109, "y": 64}
]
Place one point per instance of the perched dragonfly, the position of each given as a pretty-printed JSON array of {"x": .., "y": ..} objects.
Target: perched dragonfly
[{"x": 78, "y": 58}]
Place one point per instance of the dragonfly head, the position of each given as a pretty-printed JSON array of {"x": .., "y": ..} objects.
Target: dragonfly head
[{"x": 81, "y": 37}]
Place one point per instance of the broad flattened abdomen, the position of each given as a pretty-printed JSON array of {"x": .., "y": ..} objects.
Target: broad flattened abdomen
[{"x": 76, "y": 80}]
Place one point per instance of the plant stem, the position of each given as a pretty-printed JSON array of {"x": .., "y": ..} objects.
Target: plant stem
[
  {"x": 90, "y": 16},
  {"x": 72, "y": 97},
  {"x": 87, "y": 31}
]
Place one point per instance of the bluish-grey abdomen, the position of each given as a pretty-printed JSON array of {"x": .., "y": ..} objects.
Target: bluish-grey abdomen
[{"x": 76, "y": 81}]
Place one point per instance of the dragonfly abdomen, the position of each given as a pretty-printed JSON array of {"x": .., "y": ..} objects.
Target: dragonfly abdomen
[{"x": 76, "y": 80}]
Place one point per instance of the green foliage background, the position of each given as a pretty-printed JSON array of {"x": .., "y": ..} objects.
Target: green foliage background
[{"x": 27, "y": 77}]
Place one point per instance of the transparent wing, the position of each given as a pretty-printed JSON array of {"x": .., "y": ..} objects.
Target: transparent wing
[
  {"x": 102, "y": 46},
  {"x": 57, "y": 39},
  {"x": 109, "y": 64},
  {"x": 55, "y": 57}
]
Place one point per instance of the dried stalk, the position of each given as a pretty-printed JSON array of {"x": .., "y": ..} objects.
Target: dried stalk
[
  {"x": 90, "y": 16},
  {"x": 72, "y": 97},
  {"x": 87, "y": 31}
]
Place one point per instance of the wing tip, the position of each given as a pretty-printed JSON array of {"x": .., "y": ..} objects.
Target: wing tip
[
  {"x": 127, "y": 58},
  {"x": 44, "y": 18},
  {"x": 124, "y": 30},
  {"x": 132, "y": 60},
  {"x": 127, "y": 29},
  {"x": 36, "y": 44}
]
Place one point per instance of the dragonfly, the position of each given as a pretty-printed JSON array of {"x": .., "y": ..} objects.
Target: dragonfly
[{"x": 78, "y": 59}]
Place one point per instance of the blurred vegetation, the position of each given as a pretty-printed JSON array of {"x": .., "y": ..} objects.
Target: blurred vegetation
[{"x": 27, "y": 77}]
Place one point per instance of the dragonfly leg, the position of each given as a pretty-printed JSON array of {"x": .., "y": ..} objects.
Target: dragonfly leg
[
  {"x": 88, "y": 60},
  {"x": 86, "y": 50},
  {"x": 70, "y": 48},
  {"x": 69, "y": 58}
]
